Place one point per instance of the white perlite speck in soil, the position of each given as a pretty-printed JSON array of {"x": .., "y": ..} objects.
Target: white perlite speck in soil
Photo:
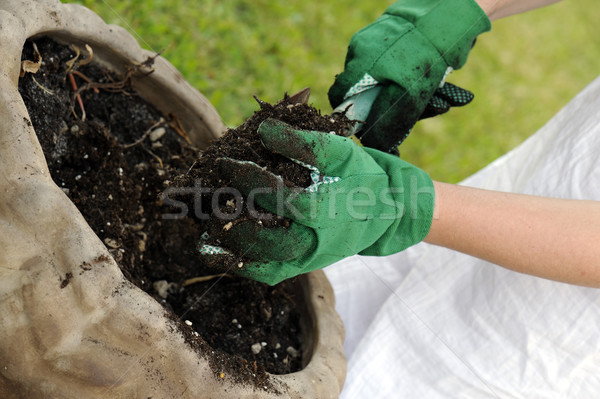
[{"x": 256, "y": 348}]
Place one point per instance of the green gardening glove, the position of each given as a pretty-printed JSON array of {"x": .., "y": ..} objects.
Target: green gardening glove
[
  {"x": 362, "y": 201},
  {"x": 407, "y": 52}
]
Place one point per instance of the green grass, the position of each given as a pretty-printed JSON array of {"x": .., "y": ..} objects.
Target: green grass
[{"x": 522, "y": 72}]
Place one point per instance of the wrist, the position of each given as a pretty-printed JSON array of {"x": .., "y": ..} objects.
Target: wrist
[
  {"x": 413, "y": 197},
  {"x": 496, "y": 9},
  {"x": 433, "y": 234},
  {"x": 489, "y": 7}
]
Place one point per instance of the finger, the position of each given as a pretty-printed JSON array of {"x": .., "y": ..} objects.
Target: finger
[
  {"x": 245, "y": 176},
  {"x": 265, "y": 272},
  {"x": 454, "y": 95},
  {"x": 264, "y": 189},
  {"x": 216, "y": 259},
  {"x": 343, "y": 82},
  {"x": 445, "y": 97},
  {"x": 254, "y": 241},
  {"x": 320, "y": 149},
  {"x": 332, "y": 155},
  {"x": 392, "y": 116},
  {"x": 436, "y": 106}
]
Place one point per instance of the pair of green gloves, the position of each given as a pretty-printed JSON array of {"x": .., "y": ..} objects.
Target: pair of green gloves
[{"x": 364, "y": 200}]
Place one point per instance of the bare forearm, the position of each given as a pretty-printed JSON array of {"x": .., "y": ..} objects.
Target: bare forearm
[
  {"x": 496, "y": 9},
  {"x": 550, "y": 238}
]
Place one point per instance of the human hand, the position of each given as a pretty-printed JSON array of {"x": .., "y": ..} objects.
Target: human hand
[
  {"x": 408, "y": 52},
  {"x": 369, "y": 202}
]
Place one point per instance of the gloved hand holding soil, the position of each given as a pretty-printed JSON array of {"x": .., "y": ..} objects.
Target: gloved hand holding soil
[{"x": 285, "y": 195}]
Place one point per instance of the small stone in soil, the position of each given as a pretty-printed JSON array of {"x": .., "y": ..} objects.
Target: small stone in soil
[
  {"x": 293, "y": 352},
  {"x": 256, "y": 348},
  {"x": 163, "y": 288},
  {"x": 157, "y": 133}
]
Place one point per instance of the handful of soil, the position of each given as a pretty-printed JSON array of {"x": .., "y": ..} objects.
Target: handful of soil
[{"x": 114, "y": 155}]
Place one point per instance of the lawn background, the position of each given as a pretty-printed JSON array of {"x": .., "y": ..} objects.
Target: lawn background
[{"x": 522, "y": 72}]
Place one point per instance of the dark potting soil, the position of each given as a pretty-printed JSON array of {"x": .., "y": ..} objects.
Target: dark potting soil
[{"x": 115, "y": 162}]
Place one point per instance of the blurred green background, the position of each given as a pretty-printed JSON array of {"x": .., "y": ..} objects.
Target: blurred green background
[{"x": 522, "y": 72}]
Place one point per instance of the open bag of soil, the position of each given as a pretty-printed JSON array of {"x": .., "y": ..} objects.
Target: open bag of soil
[{"x": 79, "y": 317}]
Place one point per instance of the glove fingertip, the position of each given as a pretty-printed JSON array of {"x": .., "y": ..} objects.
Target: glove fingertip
[
  {"x": 219, "y": 263},
  {"x": 264, "y": 272},
  {"x": 436, "y": 106},
  {"x": 342, "y": 84},
  {"x": 454, "y": 95},
  {"x": 274, "y": 133},
  {"x": 245, "y": 176}
]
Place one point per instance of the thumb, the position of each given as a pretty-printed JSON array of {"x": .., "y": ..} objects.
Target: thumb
[
  {"x": 343, "y": 82},
  {"x": 392, "y": 116},
  {"x": 322, "y": 150}
]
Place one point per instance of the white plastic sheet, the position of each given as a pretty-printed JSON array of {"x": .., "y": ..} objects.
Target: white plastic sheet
[{"x": 433, "y": 323}]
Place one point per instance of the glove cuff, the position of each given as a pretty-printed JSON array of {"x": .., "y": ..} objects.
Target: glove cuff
[
  {"x": 413, "y": 193},
  {"x": 450, "y": 25}
]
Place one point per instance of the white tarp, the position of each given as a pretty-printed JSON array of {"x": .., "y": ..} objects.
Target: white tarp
[{"x": 433, "y": 323}]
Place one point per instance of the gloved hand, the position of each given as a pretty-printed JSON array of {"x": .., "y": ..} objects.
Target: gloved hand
[
  {"x": 369, "y": 202},
  {"x": 408, "y": 51}
]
